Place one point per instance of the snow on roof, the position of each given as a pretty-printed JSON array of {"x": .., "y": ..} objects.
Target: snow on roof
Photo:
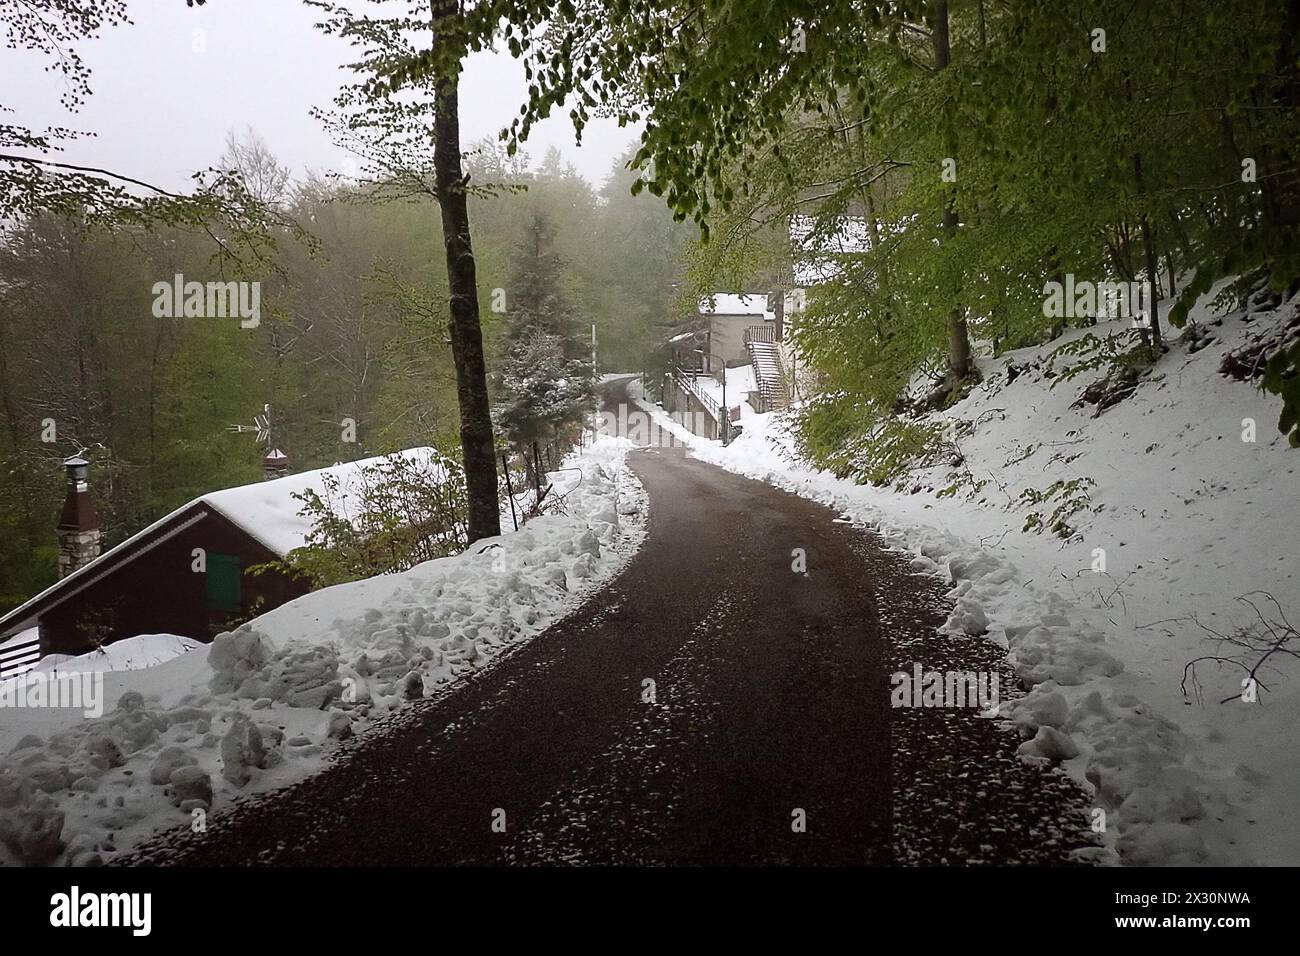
[
  {"x": 740, "y": 382},
  {"x": 269, "y": 512},
  {"x": 266, "y": 510},
  {"x": 728, "y": 303},
  {"x": 820, "y": 254},
  {"x": 132, "y": 654}
]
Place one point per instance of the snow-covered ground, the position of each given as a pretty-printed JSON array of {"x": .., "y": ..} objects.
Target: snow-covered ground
[
  {"x": 188, "y": 730},
  {"x": 1187, "y": 517}
]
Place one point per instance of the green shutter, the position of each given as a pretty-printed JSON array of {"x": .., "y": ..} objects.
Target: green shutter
[{"x": 223, "y": 580}]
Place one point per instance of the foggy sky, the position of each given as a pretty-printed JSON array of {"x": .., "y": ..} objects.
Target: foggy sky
[{"x": 168, "y": 88}]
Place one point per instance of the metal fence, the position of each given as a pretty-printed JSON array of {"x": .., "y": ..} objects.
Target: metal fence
[{"x": 687, "y": 382}]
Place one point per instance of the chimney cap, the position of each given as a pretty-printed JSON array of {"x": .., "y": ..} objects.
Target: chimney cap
[{"x": 78, "y": 512}]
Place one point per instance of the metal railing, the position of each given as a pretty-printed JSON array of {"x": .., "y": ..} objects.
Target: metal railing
[
  {"x": 687, "y": 382},
  {"x": 766, "y": 362}
]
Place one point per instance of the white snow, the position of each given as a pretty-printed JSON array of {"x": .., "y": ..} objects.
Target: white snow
[
  {"x": 12, "y": 643},
  {"x": 21, "y": 637},
  {"x": 132, "y": 654},
  {"x": 263, "y": 706},
  {"x": 1190, "y": 518}
]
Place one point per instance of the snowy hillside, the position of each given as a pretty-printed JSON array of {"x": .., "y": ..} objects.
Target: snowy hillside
[
  {"x": 1176, "y": 522},
  {"x": 262, "y": 707}
]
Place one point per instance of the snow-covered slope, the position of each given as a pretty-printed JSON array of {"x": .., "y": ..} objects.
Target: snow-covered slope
[
  {"x": 261, "y": 707},
  {"x": 1185, "y": 522}
]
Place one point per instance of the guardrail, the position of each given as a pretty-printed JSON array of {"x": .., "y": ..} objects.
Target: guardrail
[
  {"x": 760, "y": 333},
  {"x": 17, "y": 658},
  {"x": 687, "y": 383}
]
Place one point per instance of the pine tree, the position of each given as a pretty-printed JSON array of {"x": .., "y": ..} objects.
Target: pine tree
[
  {"x": 535, "y": 299},
  {"x": 546, "y": 376}
]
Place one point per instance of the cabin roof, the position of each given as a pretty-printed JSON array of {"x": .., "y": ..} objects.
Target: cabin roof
[
  {"x": 269, "y": 512},
  {"x": 266, "y": 511}
]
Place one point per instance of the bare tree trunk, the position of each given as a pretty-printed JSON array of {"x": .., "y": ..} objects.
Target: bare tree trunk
[
  {"x": 476, "y": 440},
  {"x": 1152, "y": 261},
  {"x": 960, "y": 364}
]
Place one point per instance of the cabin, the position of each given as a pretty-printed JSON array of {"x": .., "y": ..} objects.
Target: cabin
[{"x": 187, "y": 574}]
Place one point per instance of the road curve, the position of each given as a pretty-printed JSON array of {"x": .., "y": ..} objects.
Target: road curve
[{"x": 769, "y": 739}]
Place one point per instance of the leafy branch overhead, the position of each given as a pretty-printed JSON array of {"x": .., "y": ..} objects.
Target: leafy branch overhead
[{"x": 34, "y": 180}]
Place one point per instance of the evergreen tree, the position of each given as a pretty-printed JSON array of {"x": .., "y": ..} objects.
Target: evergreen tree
[
  {"x": 535, "y": 299},
  {"x": 546, "y": 374}
]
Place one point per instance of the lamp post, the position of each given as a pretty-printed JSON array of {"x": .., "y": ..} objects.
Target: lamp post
[{"x": 726, "y": 414}]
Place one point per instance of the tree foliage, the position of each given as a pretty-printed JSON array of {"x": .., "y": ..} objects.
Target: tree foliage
[{"x": 989, "y": 147}]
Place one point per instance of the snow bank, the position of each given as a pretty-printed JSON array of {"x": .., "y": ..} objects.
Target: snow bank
[
  {"x": 1184, "y": 517},
  {"x": 262, "y": 706}
]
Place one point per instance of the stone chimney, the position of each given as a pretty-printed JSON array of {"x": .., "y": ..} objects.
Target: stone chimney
[
  {"x": 275, "y": 464},
  {"x": 79, "y": 523}
]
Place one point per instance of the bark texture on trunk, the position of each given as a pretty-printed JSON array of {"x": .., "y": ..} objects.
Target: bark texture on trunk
[
  {"x": 476, "y": 440},
  {"x": 960, "y": 365}
]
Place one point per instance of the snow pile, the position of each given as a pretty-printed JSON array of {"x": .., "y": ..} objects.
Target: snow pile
[
  {"x": 1182, "y": 514},
  {"x": 261, "y": 706}
]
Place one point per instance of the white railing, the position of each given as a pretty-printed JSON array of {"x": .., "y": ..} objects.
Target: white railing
[
  {"x": 17, "y": 658},
  {"x": 687, "y": 382}
]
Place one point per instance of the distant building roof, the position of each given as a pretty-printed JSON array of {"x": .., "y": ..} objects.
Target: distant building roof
[
  {"x": 729, "y": 303},
  {"x": 820, "y": 255}
]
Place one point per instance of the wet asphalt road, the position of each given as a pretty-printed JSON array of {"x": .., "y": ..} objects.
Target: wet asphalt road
[{"x": 771, "y": 706}]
